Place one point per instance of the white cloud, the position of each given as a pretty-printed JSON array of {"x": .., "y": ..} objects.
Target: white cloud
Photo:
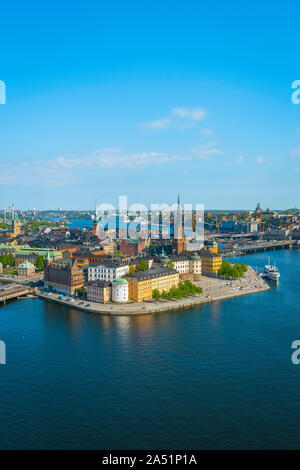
[
  {"x": 183, "y": 118},
  {"x": 65, "y": 170},
  {"x": 239, "y": 160},
  {"x": 194, "y": 114},
  {"x": 156, "y": 125},
  {"x": 207, "y": 132},
  {"x": 295, "y": 152},
  {"x": 206, "y": 151},
  {"x": 261, "y": 159}
]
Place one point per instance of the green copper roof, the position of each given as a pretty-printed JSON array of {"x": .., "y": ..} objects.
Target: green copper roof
[
  {"x": 195, "y": 257},
  {"x": 26, "y": 264},
  {"x": 119, "y": 281}
]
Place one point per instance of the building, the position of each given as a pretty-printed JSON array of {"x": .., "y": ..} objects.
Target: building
[
  {"x": 62, "y": 275},
  {"x": 26, "y": 269},
  {"x": 142, "y": 283},
  {"x": 188, "y": 266},
  {"x": 120, "y": 290},
  {"x": 131, "y": 247},
  {"x": 211, "y": 245},
  {"x": 211, "y": 262},
  {"x": 1, "y": 268},
  {"x": 195, "y": 266},
  {"x": 277, "y": 234},
  {"x": 99, "y": 291},
  {"x": 108, "y": 270},
  {"x": 32, "y": 254},
  {"x": 181, "y": 264}
]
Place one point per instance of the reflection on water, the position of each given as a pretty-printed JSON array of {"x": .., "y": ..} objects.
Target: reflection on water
[{"x": 219, "y": 376}]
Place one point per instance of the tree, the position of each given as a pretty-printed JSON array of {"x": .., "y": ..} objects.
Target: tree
[
  {"x": 80, "y": 291},
  {"x": 142, "y": 265},
  {"x": 170, "y": 264},
  {"x": 40, "y": 262},
  {"x": 156, "y": 294},
  {"x": 118, "y": 254}
]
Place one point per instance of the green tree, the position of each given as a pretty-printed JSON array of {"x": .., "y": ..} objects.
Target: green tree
[
  {"x": 40, "y": 262},
  {"x": 170, "y": 264},
  {"x": 80, "y": 291},
  {"x": 142, "y": 265},
  {"x": 156, "y": 294}
]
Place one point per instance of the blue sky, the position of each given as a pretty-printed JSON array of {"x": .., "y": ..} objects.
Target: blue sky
[{"x": 149, "y": 99}]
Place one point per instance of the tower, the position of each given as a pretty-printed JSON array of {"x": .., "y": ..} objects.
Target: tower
[
  {"x": 16, "y": 225},
  {"x": 178, "y": 243},
  {"x": 95, "y": 222}
]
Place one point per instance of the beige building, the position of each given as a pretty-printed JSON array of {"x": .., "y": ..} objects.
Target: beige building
[
  {"x": 99, "y": 291},
  {"x": 26, "y": 269}
]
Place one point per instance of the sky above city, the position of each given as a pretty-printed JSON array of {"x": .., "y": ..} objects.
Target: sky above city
[{"x": 149, "y": 99}]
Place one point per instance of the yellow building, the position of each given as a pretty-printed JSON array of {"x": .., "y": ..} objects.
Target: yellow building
[
  {"x": 211, "y": 262},
  {"x": 142, "y": 283}
]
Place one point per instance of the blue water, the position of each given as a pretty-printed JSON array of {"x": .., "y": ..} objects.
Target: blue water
[{"x": 216, "y": 377}]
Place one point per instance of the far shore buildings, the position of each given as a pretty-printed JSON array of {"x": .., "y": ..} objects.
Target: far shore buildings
[
  {"x": 26, "y": 269},
  {"x": 63, "y": 275}
]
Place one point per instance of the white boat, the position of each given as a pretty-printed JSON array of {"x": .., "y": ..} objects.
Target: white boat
[{"x": 272, "y": 272}]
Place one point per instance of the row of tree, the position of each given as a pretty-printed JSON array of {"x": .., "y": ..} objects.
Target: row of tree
[
  {"x": 232, "y": 270},
  {"x": 7, "y": 259},
  {"x": 183, "y": 289}
]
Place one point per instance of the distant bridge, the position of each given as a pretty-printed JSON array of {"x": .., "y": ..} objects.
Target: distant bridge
[{"x": 259, "y": 246}]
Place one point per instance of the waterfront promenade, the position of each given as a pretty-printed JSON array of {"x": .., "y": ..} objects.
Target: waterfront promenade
[{"x": 213, "y": 290}]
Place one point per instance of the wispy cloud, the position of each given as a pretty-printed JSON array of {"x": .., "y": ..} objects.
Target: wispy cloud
[
  {"x": 194, "y": 114},
  {"x": 239, "y": 160},
  {"x": 184, "y": 118},
  {"x": 207, "y": 132},
  {"x": 206, "y": 151},
  {"x": 65, "y": 170},
  {"x": 295, "y": 152},
  {"x": 156, "y": 125},
  {"x": 260, "y": 159}
]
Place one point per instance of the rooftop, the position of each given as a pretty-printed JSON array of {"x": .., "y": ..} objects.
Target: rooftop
[{"x": 152, "y": 273}]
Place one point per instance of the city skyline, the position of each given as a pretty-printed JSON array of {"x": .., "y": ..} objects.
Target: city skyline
[{"x": 134, "y": 101}]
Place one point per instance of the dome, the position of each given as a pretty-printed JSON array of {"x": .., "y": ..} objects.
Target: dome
[
  {"x": 163, "y": 259},
  {"x": 119, "y": 281},
  {"x": 195, "y": 257},
  {"x": 26, "y": 264}
]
